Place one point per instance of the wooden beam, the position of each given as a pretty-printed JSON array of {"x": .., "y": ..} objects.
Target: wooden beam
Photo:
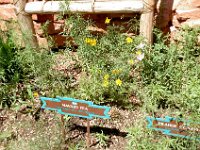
[
  {"x": 125, "y": 6},
  {"x": 26, "y": 24},
  {"x": 146, "y": 20}
]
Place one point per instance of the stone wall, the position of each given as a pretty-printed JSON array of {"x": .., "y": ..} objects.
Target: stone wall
[
  {"x": 172, "y": 14},
  {"x": 169, "y": 17}
]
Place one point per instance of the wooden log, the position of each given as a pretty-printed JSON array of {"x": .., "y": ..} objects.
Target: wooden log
[
  {"x": 125, "y": 6},
  {"x": 146, "y": 20},
  {"x": 26, "y": 24}
]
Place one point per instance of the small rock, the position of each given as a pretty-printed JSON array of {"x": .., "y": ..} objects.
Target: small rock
[
  {"x": 192, "y": 23},
  {"x": 6, "y": 1},
  {"x": 188, "y": 14},
  {"x": 7, "y": 12},
  {"x": 188, "y": 4}
]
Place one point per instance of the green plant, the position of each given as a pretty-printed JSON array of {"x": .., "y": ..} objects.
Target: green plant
[
  {"x": 141, "y": 138},
  {"x": 114, "y": 54},
  {"x": 102, "y": 139},
  {"x": 170, "y": 74},
  {"x": 10, "y": 69}
]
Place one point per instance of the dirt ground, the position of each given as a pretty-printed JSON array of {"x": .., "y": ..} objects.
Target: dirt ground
[{"x": 22, "y": 129}]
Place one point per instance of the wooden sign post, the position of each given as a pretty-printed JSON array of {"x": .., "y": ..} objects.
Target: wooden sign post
[
  {"x": 175, "y": 127},
  {"x": 76, "y": 108}
]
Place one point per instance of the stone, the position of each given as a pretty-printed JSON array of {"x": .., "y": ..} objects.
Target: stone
[
  {"x": 58, "y": 27},
  {"x": 175, "y": 21},
  {"x": 188, "y": 14},
  {"x": 6, "y": 1},
  {"x": 191, "y": 23},
  {"x": 175, "y": 4},
  {"x": 7, "y": 12},
  {"x": 59, "y": 40},
  {"x": 188, "y": 4},
  {"x": 34, "y": 17},
  {"x": 42, "y": 18},
  {"x": 38, "y": 29},
  {"x": 3, "y": 26},
  {"x": 42, "y": 42}
]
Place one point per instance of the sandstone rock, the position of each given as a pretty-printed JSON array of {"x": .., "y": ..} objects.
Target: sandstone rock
[
  {"x": 175, "y": 4},
  {"x": 38, "y": 29},
  {"x": 188, "y": 14},
  {"x": 42, "y": 42},
  {"x": 59, "y": 40},
  {"x": 58, "y": 27},
  {"x": 57, "y": 19},
  {"x": 6, "y": 1},
  {"x": 175, "y": 21},
  {"x": 188, "y": 4},
  {"x": 7, "y": 12},
  {"x": 192, "y": 23},
  {"x": 34, "y": 17},
  {"x": 42, "y": 18},
  {"x": 3, "y": 26}
]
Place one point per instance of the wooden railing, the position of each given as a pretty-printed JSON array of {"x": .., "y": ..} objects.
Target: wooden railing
[{"x": 144, "y": 7}]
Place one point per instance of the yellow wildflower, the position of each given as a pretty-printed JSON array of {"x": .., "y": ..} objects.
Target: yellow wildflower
[
  {"x": 35, "y": 94},
  {"x": 87, "y": 40},
  {"x": 91, "y": 41},
  {"x": 118, "y": 82},
  {"x": 115, "y": 71},
  {"x": 106, "y": 77},
  {"x": 131, "y": 62},
  {"x": 139, "y": 52},
  {"x": 129, "y": 40},
  {"x": 107, "y": 21},
  {"x": 105, "y": 83}
]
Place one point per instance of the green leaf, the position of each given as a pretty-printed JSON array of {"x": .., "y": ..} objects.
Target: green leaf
[{"x": 5, "y": 135}]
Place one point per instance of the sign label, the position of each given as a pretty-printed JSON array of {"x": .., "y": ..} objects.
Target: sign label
[
  {"x": 75, "y": 107},
  {"x": 175, "y": 127}
]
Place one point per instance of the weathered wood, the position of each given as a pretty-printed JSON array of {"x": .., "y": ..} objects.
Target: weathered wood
[
  {"x": 26, "y": 24},
  {"x": 146, "y": 20},
  {"x": 125, "y": 6}
]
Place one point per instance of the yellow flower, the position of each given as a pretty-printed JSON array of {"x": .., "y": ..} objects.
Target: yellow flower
[
  {"x": 106, "y": 77},
  {"x": 118, "y": 82},
  {"x": 115, "y": 71},
  {"x": 139, "y": 52},
  {"x": 35, "y": 94},
  {"x": 87, "y": 40},
  {"x": 93, "y": 42},
  {"x": 90, "y": 41},
  {"x": 129, "y": 40},
  {"x": 105, "y": 83},
  {"x": 131, "y": 62},
  {"x": 107, "y": 21}
]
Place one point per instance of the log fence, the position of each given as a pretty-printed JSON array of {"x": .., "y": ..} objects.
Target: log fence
[{"x": 144, "y": 7}]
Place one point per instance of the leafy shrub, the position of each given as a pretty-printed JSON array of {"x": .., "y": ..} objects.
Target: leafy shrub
[
  {"x": 109, "y": 61},
  {"x": 170, "y": 74},
  {"x": 10, "y": 69}
]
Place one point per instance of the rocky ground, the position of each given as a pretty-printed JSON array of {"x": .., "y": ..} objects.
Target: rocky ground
[{"x": 44, "y": 130}]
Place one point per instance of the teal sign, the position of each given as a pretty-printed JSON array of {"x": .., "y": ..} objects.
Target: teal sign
[
  {"x": 75, "y": 107},
  {"x": 175, "y": 127}
]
